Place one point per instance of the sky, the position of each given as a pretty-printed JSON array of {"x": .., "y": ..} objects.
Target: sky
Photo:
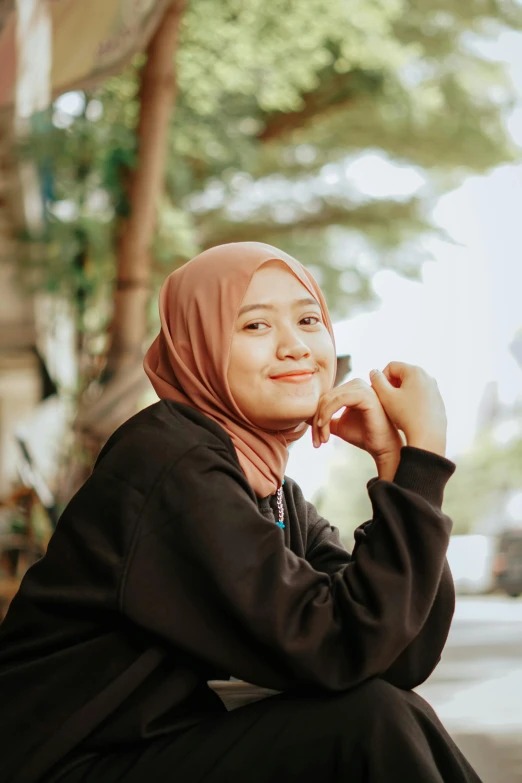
[{"x": 457, "y": 321}]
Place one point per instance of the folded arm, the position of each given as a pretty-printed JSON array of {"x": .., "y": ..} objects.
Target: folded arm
[
  {"x": 210, "y": 575},
  {"x": 426, "y": 474}
]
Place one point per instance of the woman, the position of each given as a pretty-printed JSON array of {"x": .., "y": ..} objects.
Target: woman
[{"x": 183, "y": 559}]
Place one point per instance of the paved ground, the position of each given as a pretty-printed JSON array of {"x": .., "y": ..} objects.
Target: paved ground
[{"x": 477, "y": 688}]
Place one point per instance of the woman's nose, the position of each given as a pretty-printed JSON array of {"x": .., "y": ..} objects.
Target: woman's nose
[{"x": 293, "y": 348}]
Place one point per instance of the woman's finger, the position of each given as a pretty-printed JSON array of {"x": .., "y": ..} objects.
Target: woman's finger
[
  {"x": 333, "y": 426},
  {"x": 326, "y": 429},
  {"x": 395, "y": 372},
  {"x": 382, "y": 385},
  {"x": 325, "y": 432},
  {"x": 312, "y": 422},
  {"x": 328, "y": 402},
  {"x": 357, "y": 397},
  {"x": 354, "y": 394},
  {"x": 315, "y": 430}
]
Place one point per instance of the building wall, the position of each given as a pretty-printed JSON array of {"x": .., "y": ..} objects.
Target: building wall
[
  {"x": 20, "y": 376},
  {"x": 20, "y": 392}
]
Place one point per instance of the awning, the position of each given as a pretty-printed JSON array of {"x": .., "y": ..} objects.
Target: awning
[{"x": 48, "y": 47}]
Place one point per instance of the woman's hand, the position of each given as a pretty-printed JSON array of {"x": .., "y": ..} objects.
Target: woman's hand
[
  {"x": 363, "y": 423},
  {"x": 412, "y": 400}
]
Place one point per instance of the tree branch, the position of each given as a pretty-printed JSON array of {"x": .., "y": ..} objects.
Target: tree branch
[
  {"x": 216, "y": 229},
  {"x": 335, "y": 91}
]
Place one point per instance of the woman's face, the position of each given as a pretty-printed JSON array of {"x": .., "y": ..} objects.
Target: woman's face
[{"x": 282, "y": 356}]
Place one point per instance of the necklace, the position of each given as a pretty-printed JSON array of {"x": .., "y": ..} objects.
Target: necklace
[{"x": 280, "y": 508}]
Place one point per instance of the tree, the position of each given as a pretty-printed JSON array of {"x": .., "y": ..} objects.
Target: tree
[
  {"x": 477, "y": 492},
  {"x": 274, "y": 103},
  {"x": 135, "y": 231},
  {"x": 486, "y": 474},
  {"x": 343, "y": 500},
  {"x": 267, "y": 119}
]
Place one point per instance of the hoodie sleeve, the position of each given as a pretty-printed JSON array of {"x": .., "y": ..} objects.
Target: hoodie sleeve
[
  {"x": 210, "y": 575},
  {"x": 425, "y": 474}
]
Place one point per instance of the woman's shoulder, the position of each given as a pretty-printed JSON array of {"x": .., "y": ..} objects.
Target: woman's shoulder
[{"x": 158, "y": 436}]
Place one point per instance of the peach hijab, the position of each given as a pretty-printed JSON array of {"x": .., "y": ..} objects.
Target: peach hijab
[{"x": 188, "y": 361}]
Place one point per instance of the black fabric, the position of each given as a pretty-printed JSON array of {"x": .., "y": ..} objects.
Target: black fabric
[
  {"x": 165, "y": 571},
  {"x": 374, "y": 733}
]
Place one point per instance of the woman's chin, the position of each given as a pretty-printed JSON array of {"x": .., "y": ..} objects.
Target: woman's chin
[{"x": 286, "y": 419}]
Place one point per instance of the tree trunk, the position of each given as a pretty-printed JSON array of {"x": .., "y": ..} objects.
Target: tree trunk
[
  {"x": 157, "y": 98},
  {"x": 125, "y": 379}
]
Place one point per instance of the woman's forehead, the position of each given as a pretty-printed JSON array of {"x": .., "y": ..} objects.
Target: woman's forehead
[
  {"x": 219, "y": 282},
  {"x": 275, "y": 280}
]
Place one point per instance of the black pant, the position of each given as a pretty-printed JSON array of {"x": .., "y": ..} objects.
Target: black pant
[{"x": 374, "y": 733}]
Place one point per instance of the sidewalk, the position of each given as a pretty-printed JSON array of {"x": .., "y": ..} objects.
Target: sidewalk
[
  {"x": 497, "y": 759},
  {"x": 477, "y": 688}
]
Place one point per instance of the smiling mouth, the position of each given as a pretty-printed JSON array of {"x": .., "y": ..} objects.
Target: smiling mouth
[{"x": 297, "y": 377}]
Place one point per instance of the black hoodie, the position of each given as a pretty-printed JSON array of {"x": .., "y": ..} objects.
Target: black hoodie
[{"x": 166, "y": 571}]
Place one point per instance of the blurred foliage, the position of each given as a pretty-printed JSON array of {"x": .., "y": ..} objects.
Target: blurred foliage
[
  {"x": 476, "y": 495},
  {"x": 275, "y": 101},
  {"x": 343, "y": 500}
]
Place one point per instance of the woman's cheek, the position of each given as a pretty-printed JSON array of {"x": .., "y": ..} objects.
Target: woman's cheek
[
  {"x": 257, "y": 356},
  {"x": 325, "y": 357}
]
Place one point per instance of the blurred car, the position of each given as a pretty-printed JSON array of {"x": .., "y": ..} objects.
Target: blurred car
[
  {"x": 507, "y": 566},
  {"x": 471, "y": 559}
]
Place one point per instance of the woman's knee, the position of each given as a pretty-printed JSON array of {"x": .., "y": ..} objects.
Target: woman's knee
[
  {"x": 378, "y": 700},
  {"x": 377, "y": 693}
]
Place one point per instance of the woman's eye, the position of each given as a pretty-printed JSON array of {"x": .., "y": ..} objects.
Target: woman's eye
[
  {"x": 255, "y": 326},
  {"x": 313, "y": 318}
]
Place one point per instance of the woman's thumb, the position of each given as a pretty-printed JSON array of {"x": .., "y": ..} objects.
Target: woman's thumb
[{"x": 380, "y": 382}]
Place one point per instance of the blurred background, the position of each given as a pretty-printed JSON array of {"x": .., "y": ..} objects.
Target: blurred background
[{"x": 378, "y": 141}]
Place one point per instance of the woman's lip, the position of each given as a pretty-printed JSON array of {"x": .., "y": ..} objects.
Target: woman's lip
[{"x": 294, "y": 378}]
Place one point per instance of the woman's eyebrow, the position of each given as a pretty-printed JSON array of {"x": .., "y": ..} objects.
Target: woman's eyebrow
[{"x": 308, "y": 300}]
